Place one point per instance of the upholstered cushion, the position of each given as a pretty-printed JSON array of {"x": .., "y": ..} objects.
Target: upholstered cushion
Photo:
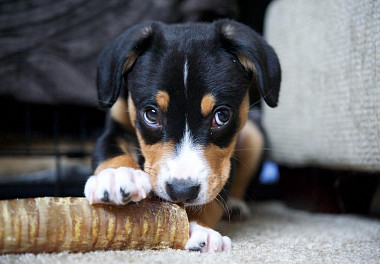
[{"x": 329, "y": 109}]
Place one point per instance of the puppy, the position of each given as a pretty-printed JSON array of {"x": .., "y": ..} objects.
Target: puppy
[{"x": 179, "y": 97}]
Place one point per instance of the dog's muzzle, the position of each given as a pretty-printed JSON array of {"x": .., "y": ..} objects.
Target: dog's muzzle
[{"x": 180, "y": 190}]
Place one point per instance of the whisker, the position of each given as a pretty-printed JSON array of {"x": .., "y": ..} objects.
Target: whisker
[
  {"x": 238, "y": 160},
  {"x": 244, "y": 149},
  {"x": 150, "y": 170},
  {"x": 256, "y": 110},
  {"x": 224, "y": 205},
  {"x": 136, "y": 148},
  {"x": 262, "y": 98},
  {"x": 138, "y": 154},
  {"x": 196, "y": 209},
  {"x": 101, "y": 101}
]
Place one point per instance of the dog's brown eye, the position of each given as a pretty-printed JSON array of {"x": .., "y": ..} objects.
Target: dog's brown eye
[
  {"x": 151, "y": 116},
  {"x": 221, "y": 117}
]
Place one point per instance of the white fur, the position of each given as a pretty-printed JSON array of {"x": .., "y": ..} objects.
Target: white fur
[
  {"x": 207, "y": 240},
  {"x": 134, "y": 182},
  {"x": 185, "y": 73},
  {"x": 188, "y": 163}
]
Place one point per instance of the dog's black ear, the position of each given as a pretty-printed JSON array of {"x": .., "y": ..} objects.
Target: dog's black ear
[
  {"x": 118, "y": 57},
  {"x": 256, "y": 57}
]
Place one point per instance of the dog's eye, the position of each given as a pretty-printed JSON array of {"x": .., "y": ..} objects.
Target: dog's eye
[
  {"x": 221, "y": 117},
  {"x": 151, "y": 116}
]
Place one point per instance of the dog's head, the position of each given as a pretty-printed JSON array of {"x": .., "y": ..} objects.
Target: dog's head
[{"x": 188, "y": 90}]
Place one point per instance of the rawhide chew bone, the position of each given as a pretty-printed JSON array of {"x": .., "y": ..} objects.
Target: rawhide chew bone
[{"x": 51, "y": 224}]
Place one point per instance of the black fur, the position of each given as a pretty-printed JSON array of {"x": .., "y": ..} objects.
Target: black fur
[
  {"x": 211, "y": 52},
  {"x": 107, "y": 145},
  {"x": 213, "y": 68}
]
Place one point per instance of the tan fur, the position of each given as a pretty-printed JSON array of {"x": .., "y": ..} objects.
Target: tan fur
[
  {"x": 162, "y": 99},
  {"x": 131, "y": 58},
  {"x": 208, "y": 216},
  {"x": 121, "y": 110},
  {"x": 116, "y": 162},
  {"x": 248, "y": 151},
  {"x": 246, "y": 63},
  {"x": 243, "y": 111},
  {"x": 219, "y": 161},
  {"x": 131, "y": 111},
  {"x": 219, "y": 158},
  {"x": 120, "y": 113},
  {"x": 153, "y": 155},
  {"x": 128, "y": 147},
  {"x": 124, "y": 113},
  {"x": 207, "y": 104}
]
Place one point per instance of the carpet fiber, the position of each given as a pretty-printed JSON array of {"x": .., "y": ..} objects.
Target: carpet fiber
[{"x": 273, "y": 234}]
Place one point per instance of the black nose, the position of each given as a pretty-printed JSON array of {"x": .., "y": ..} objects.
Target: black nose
[{"x": 182, "y": 190}]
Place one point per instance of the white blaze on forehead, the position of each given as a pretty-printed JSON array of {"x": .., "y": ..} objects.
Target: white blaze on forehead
[
  {"x": 189, "y": 159},
  {"x": 188, "y": 163},
  {"x": 185, "y": 73}
]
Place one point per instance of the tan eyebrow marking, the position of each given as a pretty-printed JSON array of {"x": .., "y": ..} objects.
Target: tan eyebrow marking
[
  {"x": 162, "y": 99},
  {"x": 207, "y": 104}
]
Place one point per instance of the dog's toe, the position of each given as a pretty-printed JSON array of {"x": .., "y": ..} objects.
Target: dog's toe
[
  {"x": 119, "y": 186},
  {"x": 203, "y": 239}
]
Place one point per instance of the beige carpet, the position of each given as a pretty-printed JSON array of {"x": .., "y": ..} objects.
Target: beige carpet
[{"x": 274, "y": 234}]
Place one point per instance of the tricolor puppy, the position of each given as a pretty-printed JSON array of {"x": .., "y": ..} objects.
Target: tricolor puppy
[{"x": 179, "y": 97}]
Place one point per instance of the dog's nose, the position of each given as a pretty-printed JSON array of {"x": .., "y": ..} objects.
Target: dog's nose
[{"x": 182, "y": 190}]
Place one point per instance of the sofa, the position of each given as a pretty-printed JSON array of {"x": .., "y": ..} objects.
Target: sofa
[{"x": 329, "y": 109}]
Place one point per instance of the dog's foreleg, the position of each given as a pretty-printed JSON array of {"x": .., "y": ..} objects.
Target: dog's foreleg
[
  {"x": 248, "y": 152},
  {"x": 117, "y": 176}
]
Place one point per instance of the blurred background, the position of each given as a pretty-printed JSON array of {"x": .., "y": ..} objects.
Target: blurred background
[{"x": 324, "y": 136}]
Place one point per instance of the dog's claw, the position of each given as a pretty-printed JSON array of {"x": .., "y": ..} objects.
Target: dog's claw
[
  {"x": 106, "y": 197},
  {"x": 202, "y": 244},
  {"x": 196, "y": 249},
  {"x": 125, "y": 196}
]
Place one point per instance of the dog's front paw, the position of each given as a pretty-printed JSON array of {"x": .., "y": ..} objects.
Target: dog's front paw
[
  {"x": 237, "y": 209},
  {"x": 119, "y": 186},
  {"x": 205, "y": 239}
]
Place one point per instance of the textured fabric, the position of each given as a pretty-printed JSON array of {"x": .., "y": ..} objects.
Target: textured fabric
[
  {"x": 48, "y": 49},
  {"x": 274, "y": 234},
  {"x": 329, "y": 109}
]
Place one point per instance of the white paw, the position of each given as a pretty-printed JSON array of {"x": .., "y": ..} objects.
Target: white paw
[
  {"x": 205, "y": 239},
  {"x": 119, "y": 186},
  {"x": 237, "y": 209}
]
